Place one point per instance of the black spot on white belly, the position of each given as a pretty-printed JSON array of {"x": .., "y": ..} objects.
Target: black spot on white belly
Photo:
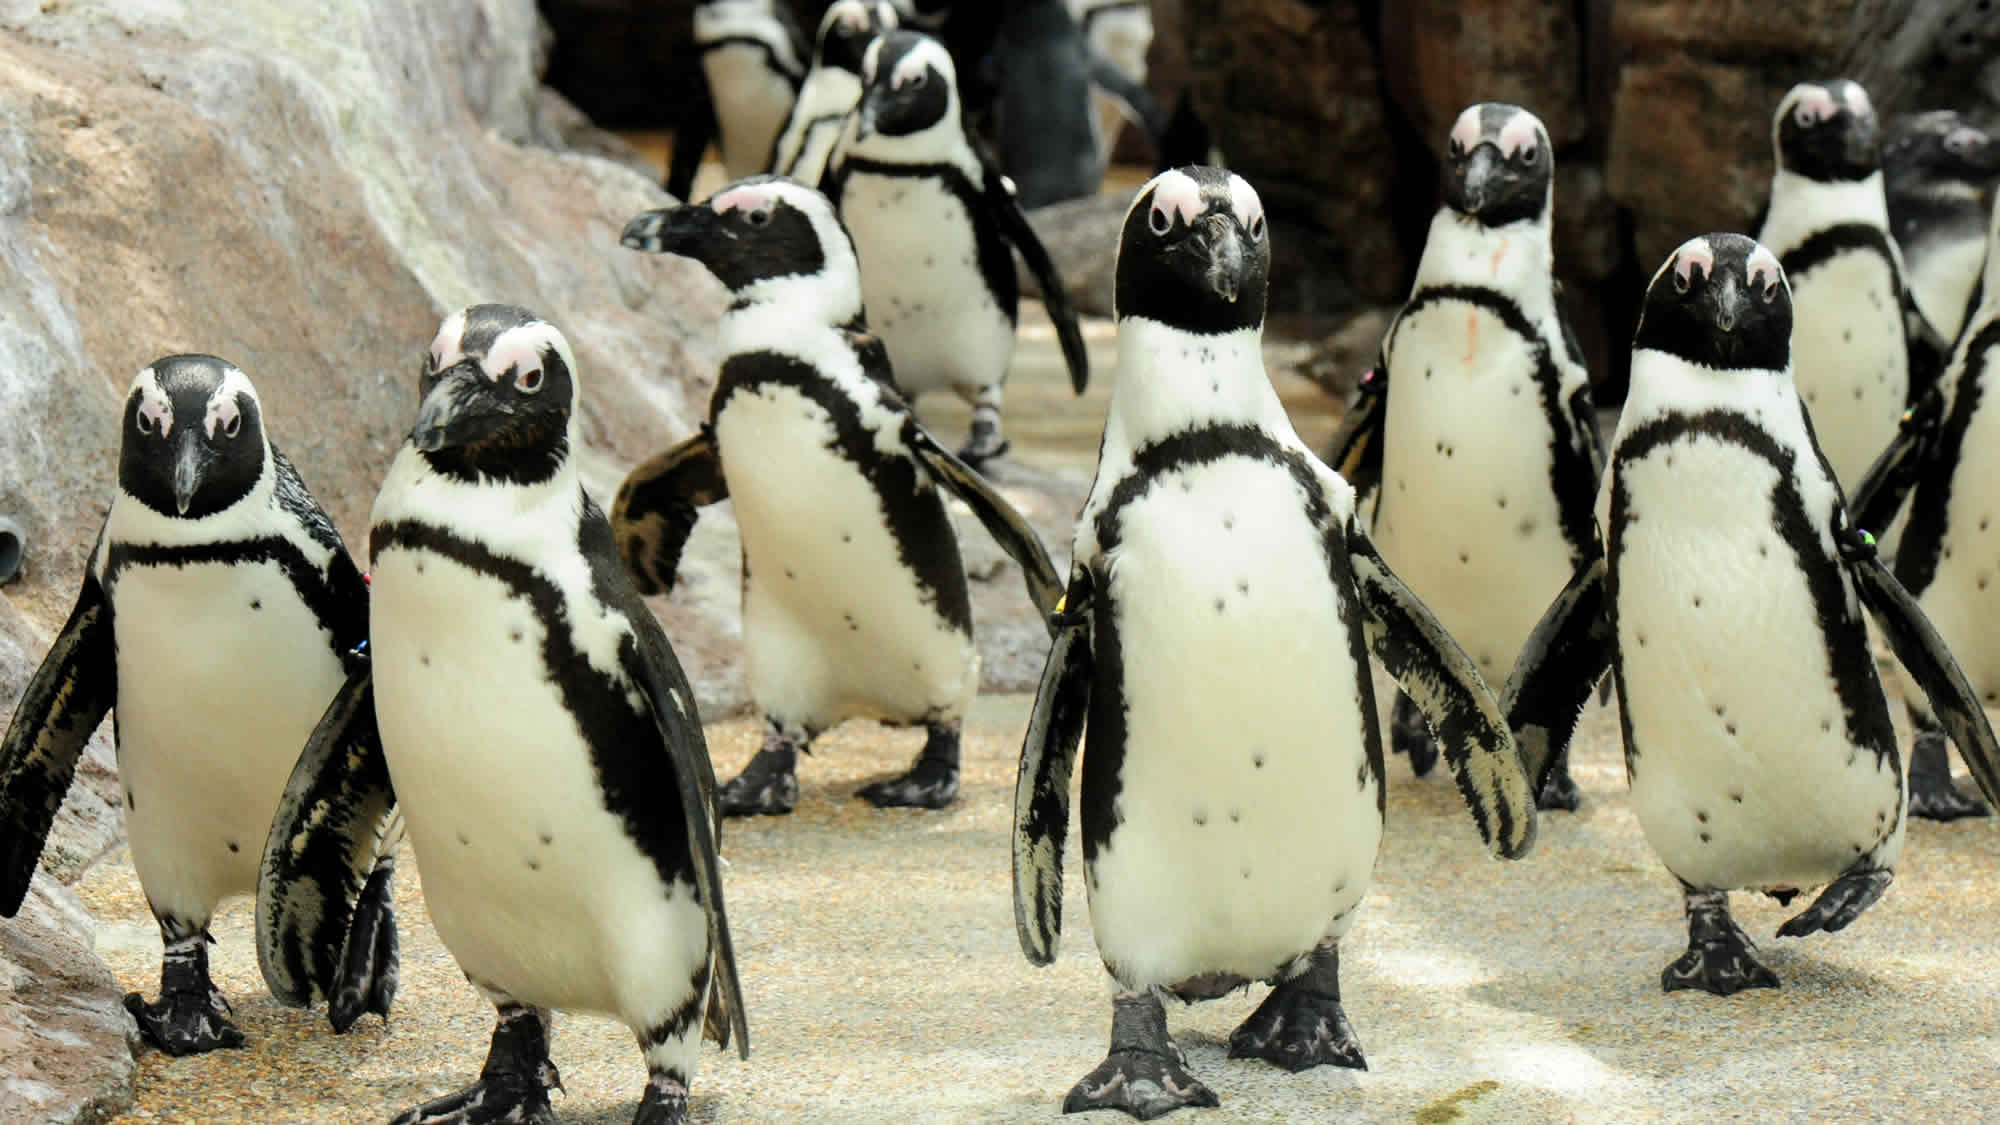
[
  {"x": 1465, "y": 556},
  {"x": 1825, "y": 725},
  {"x": 548, "y": 838},
  {"x": 1427, "y": 372},
  {"x": 1731, "y": 728},
  {"x": 790, "y": 574},
  {"x": 256, "y": 603},
  {"x": 1246, "y": 871},
  {"x": 1200, "y": 817},
  {"x": 1243, "y": 586},
  {"x": 420, "y": 566},
  {"x": 1811, "y": 397},
  {"x": 425, "y": 658},
  {"x": 1228, "y": 521},
  {"x": 846, "y": 537},
  {"x": 1235, "y": 816},
  {"x": 1641, "y": 638},
  {"x": 1847, "y": 335},
  {"x": 1705, "y": 837},
  {"x": 464, "y": 839},
  {"x": 851, "y": 623},
  {"x": 1736, "y": 797},
  {"x": 1218, "y": 605},
  {"x": 1257, "y": 760},
  {"x": 1361, "y": 776},
  {"x": 130, "y": 803},
  {"x": 534, "y": 865},
  {"x": 1502, "y": 501},
  {"x": 1701, "y": 816},
  {"x": 233, "y": 846},
  {"x": 1697, "y": 601},
  {"x": 1526, "y": 528},
  {"x": 514, "y": 635},
  {"x": 1857, "y": 394}
]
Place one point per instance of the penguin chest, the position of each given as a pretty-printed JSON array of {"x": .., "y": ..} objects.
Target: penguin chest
[
  {"x": 1963, "y": 597},
  {"x": 1469, "y": 517},
  {"x": 1942, "y": 276},
  {"x": 1848, "y": 352},
  {"x": 1743, "y": 769},
  {"x": 1238, "y": 816},
  {"x": 849, "y": 578},
  {"x": 824, "y": 102},
  {"x": 939, "y": 316},
  {"x": 751, "y": 104},
  {"x": 534, "y": 885},
  {"x": 222, "y": 673}
]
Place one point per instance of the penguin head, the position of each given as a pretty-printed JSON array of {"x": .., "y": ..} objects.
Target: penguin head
[
  {"x": 847, "y": 29},
  {"x": 1926, "y": 150},
  {"x": 1195, "y": 252},
  {"x": 1827, "y": 132},
  {"x": 193, "y": 438},
  {"x": 758, "y": 231},
  {"x": 1499, "y": 167},
  {"x": 1721, "y": 301},
  {"x": 497, "y": 391},
  {"x": 908, "y": 85}
]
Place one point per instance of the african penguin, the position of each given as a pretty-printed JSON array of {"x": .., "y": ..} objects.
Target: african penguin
[
  {"x": 215, "y": 614},
  {"x": 831, "y": 89},
  {"x": 1938, "y": 173},
  {"x": 1828, "y": 224},
  {"x": 1215, "y": 637},
  {"x": 1728, "y": 604},
  {"x": 538, "y": 731},
  {"x": 932, "y": 220},
  {"x": 855, "y": 601},
  {"x": 1120, "y": 32},
  {"x": 753, "y": 59},
  {"x": 1489, "y": 447}
]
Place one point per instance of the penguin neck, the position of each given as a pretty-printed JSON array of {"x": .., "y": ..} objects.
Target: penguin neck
[
  {"x": 251, "y": 517},
  {"x": 1665, "y": 385},
  {"x": 942, "y": 143},
  {"x": 1517, "y": 259},
  {"x": 831, "y": 297},
  {"x": 1170, "y": 379},
  {"x": 512, "y": 517},
  {"x": 1801, "y": 208}
]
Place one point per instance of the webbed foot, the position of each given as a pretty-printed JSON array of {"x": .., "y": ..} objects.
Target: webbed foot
[
  {"x": 1560, "y": 791},
  {"x": 1718, "y": 957},
  {"x": 1932, "y": 795},
  {"x": 1145, "y": 1073},
  {"x": 1841, "y": 902},
  {"x": 665, "y": 1101},
  {"x": 1410, "y": 734},
  {"x": 932, "y": 783},
  {"x": 1300, "y": 1025},
  {"x": 513, "y": 1087},
  {"x": 769, "y": 785},
  {"x": 191, "y": 1017}
]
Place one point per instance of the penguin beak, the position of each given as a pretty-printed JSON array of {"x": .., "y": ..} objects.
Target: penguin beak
[
  {"x": 460, "y": 409},
  {"x": 1218, "y": 248},
  {"x": 673, "y": 230},
  {"x": 1479, "y": 186},
  {"x": 190, "y": 461},
  {"x": 1861, "y": 144},
  {"x": 1730, "y": 301}
]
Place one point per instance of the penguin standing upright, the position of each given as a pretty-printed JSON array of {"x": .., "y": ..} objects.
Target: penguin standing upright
[
  {"x": 1729, "y": 605},
  {"x": 831, "y": 89},
  {"x": 753, "y": 59},
  {"x": 1488, "y": 436},
  {"x": 214, "y": 617},
  {"x": 855, "y": 602},
  {"x": 1828, "y": 222},
  {"x": 538, "y": 732},
  {"x": 1222, "y": 604},
  {"x": 932, "y": 219},
  {"x": 1938, "y": 172},
  {"x": 1120, "y": 32}
]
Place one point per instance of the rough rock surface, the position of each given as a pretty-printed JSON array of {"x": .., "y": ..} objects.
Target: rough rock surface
[
  {"x": 1081, "y": 236},
  {"x": 65, "y": 1054}
]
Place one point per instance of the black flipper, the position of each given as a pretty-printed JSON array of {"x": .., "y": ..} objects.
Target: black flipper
[
  {"x": 68, "y": 696},
  {"x": 1923, "y": 653},
  {"x": 1356, "y": 450},
  {"x": 326, "y": 835},
  {"x": 1139, "y": 101},
  {"x": 1001, "y": 203},
  {"x": 1006, "y": 525},
  {"x": 1445, "y": 684},
  {"x": 1925, "y": 348},
  {"x": 1561, "y": 662},
  {"x": 1041, "y": 789},
  {"x": 1880, "y": 495},
  {"x": 657, "y": 506}
]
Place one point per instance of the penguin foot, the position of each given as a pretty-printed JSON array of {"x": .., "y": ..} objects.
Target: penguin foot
[
  {"x": 768, "y": 786},
  {"x": 930, "y": 784},
  {"x": 1718, "y": 957},
  {"x": 1141, "y": 1082},
  {"x": 1840, "y": 903},
  {"x": 1410, "y": 734},
  {"x": 365, "y": 980},
  {"x": 186, "y": 1021},
  {"x": 513, "y": 1086},
  {"x": 1932, "y": 795},
  {"x": 1300, "y": 1025},
  {"x": 1560, "y": 791},
  {"x": 665, "y": 1103},
  {"x": 984, "y": 446}
]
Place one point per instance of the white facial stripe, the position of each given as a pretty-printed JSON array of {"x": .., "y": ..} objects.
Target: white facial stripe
[
  {"x": 1964, "y": 137},
  {"x": 1812, "y": 104},
  {"x": 154, "y": 405},
  {"x": 1857, "y": 101},
  {"x": 869, "y": 58},
  {"x": 1521, "y": 131},
  {"x": 921, "y": 56},
  {"x": 1243, "y": 200},
  {"x": 445, "y": 347},
  {"x": 1466, "y": 132},
  {"x": 519, "y": 349},
  {"x": 1764, "y": 268},
  {"x": 222, "y": 409},
  {"x": 754, "y": 197},
  {"x": 1176, "y": 193},
  {"x": 1695, "y": 252}
]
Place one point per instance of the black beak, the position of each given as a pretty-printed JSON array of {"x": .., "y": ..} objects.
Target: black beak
[
  {"x": 1480, "y": 184},
  {"x": 1729, "y": 301},
  {"x": 1861, "y": 143},
  {"x": 190, "y": 465},
  {"x": 674, "y": 230},
  {"x": 459, "y": 410},
  {"x": 1217, "y": 245}
]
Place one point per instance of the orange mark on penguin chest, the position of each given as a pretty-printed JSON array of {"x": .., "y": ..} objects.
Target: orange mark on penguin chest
[{"x": 1471, "y": 336}]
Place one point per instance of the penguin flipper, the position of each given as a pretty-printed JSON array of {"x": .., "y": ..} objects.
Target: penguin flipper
[
  {"x": 1041, "y": 789},
  {"x": 1882, "y": 489},
  {"x": 1140, "y": 104},
  {"x": 1562, "y": 660},
  {"x": 1007, "y": 526},
  {"x": 1916, "y": 643},
  {"x": 1925, "y": 348},
  {"x": 1001, "y": 203},
  {"x": 1441, "y": 679},
  {"x": 68, "y": 696},
  {"x": 1356, "y": 449},
  {"x": 657, "y": 506}
]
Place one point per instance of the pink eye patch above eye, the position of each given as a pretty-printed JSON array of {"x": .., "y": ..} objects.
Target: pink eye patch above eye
[
  {"x": 1518, "y": 134},
  {"x": 1696, "y": 253},
  {"x": 1179, "y": 196},
  {"x": 222, "y": 414},
  {"x": 158, "y": 413},
  {"x": 740, "y": 199}
]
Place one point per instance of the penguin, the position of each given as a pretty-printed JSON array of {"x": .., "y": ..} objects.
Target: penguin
[
  {"x": 1938, "y": 172},
  {"x": 1215, "y": 636},
  {"x": 752, "y": 62},
  {"x": 855, "y": 601},
  {"x": 538, "y": 733},
  {"x": 932, "y": 218},
  {"x": 215, "y": 618},
  {"x": 1120, "y": 32},
  {"x": 1482, "y": 412},
  {"x": 831, "y": 88},
  {"x": 1828, "y": 222},
  {"x": 1728, "y": 605}
]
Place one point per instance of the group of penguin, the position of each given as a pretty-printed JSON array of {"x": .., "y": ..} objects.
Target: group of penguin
[{"x": 494, "y": 689}]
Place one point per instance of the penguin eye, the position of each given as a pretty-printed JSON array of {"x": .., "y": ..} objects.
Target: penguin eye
[
  {"x": 1681, "y": 281},
  {"x": 1160, "y": 221},
  {"x": 529, "y": 380},
  {"x": 1527, "y": 153},
  {"x": 758, "y": 218},
  {"x": 1770, "y": 291},
  {"x": 1804, "y": 115},
  {"x": 232, "y": 427},
  {"x": 1457, "y": 150},
  {"x": 918, "y": 79},
  {"x": 1257, "y": 229},
  {"x": 145, "y": 421}
]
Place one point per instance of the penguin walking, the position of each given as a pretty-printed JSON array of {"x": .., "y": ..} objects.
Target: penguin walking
[
  {"x": 1828, "y": 222},
  {"x": 538, "y": 732},
  {"x": 1728, "y": 606},
  {"x": 855, "y": 601},
  {"x": 932, "y": 219},
  {"x": 1938, "y": 172},
  {"x": 831, "y": 88},
  {"x": 1482, "y": 415},
  {"x": 214, "y": 617},
  {"x": 1215, "y": 636},
  {"x": 752, "y": 62}
]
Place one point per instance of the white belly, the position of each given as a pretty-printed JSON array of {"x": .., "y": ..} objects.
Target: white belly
[
  {"x": 921, "y": 286},
  {"x": 215, "y": 701},
  {"x": 1848, "y": 353},
  {"x": 751, "y": 104},
  {"x": 1745, "y": 776},
  {"x": 1942, "y": 280},
  {"x": 1249, "y": 825},
  {"x": 834, "y": 624},
  {"x": 1468, "y": 517},
  {"x": 533, "y": 885},
  {"x": 1963, "y": 598}
]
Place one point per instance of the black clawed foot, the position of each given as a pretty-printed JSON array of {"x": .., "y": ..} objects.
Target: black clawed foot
[
  {"x": 931, "y": 784},
  {"x": 1932, "y": 795},
  {"x": 1840, "y": 903},
  {"x": 367, "y": 976},
  {"x": 665, "y": 1102},
  {"x": 513, "y": 1087},
  {"x": 1560, "y": 791},
  {"x": 1410, "y": 734},
  {"x": 768, "y": 786},
  {"x": 1300, "y": 1025},
  {"x": 191, "y": 1016},
  {"x": 984, "y": 443},
  {"x": 1718, "y": 958},
  {"x": 1145, "y": 1073}
]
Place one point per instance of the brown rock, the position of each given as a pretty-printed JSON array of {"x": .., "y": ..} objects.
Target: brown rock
[
  {"x": 64, "y": 1049},
  {"x": 1081, "y": 236},
  {"x": 1440, "y": 56},
  {"x": 1586, "y": 222}
]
